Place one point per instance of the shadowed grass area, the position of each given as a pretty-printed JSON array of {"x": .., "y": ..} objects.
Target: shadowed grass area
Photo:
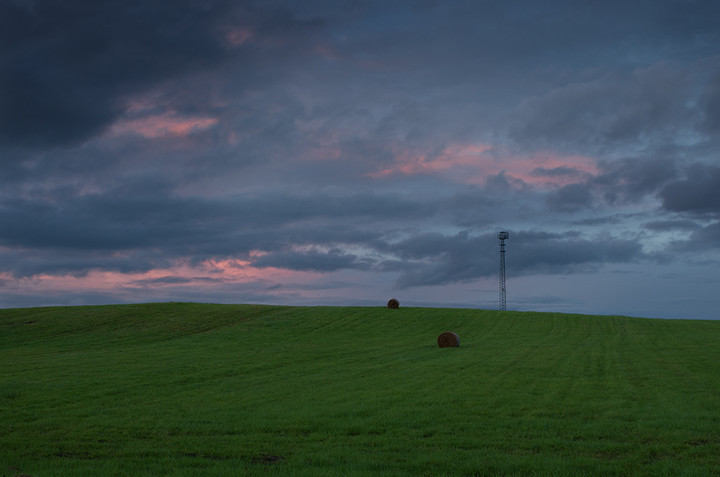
[{"x": 196, "y": 389}]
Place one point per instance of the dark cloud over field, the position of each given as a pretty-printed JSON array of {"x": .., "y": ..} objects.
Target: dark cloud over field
[{"x": 338, "y": 152}]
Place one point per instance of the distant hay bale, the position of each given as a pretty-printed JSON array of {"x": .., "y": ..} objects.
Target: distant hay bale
[
  {"x": 393, "y": 303},
  {"x": 448, "y": 340}
]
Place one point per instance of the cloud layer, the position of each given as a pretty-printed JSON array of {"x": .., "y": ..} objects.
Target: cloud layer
[{"x": 326, "y": 153}]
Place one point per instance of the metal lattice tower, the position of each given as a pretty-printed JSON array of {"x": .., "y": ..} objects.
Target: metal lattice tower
[{"x": 502, "y": 236}]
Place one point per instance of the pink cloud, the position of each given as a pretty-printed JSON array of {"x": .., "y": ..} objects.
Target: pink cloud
[
  {"x": 473, "y": 163},
  {"x": 453, "y": 157},
  {"x": 327, "y": 51},
  {"x": 163, "y": 125},
  {"x": 205, "y": 275},
  {"x": 237, "y": 36}
]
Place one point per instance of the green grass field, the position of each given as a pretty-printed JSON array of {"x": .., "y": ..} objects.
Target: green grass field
[{"x": 195, "y": 389}]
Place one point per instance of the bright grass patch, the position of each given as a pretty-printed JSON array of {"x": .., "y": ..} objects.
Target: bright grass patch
[{"x": 193, "y": 389}]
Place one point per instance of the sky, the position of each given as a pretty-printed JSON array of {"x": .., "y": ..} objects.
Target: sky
[{"x": 327, "y": 152}]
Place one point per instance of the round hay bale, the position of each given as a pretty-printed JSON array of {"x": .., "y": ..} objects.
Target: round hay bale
[
  {"x": 448, "y": 340},
  {"x": 393, "y": 303}
]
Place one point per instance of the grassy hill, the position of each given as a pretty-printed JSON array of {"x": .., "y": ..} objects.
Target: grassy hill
[{"x": 195, "y": 389}]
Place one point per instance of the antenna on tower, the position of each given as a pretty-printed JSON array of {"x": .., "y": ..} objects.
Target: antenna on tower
[{"x": 502, "y": 236}]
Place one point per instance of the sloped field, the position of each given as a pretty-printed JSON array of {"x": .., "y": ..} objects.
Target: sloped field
[{"x": 195, "y": 389}]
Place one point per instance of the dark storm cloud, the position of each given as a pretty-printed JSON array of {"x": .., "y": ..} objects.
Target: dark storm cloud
[
  {"x": 498, "y": 34},
  {"x": 618, "y": 182},
  {"x": 671, "y": 225},
  {"x": 707, "y": 237},
  {"x": 313, "y": 260},
  {"x": 147, "y": 227},
  {"x": 562, "y": 171},
  {"x": 629, "y": 179},
  {"x": 452, "y": 70},
  {"x": 612, "y": 110},
  {"x": 710, "y": 102},
  {"x": 541, "y": 252},
  {"x": 29, "y": 262},
  {"x": 604, "y": 220},
  {"x": 570, "y": 198},
  {"x": 699, "y": 241},
  {"x": 121, "y": 219},
  {"x": 144, "y": 225},
  {"x": 695, "y": 194},
  {"x": 69, "y": 66},
  {"x": 473, "y": 205},
  {"x": 432, "y": 259},
  {"x": 435, "y": 259}
]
